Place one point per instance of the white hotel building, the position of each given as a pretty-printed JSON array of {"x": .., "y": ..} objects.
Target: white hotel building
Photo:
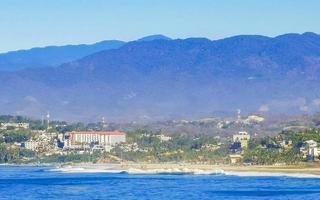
[{"x": 103, "y": 138}]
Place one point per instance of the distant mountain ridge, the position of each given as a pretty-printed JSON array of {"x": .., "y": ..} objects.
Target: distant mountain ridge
[
  {"x": 169, "y": 79},
  {"x": 154, "y": 37},
  {"x": 51, "y": 56}
]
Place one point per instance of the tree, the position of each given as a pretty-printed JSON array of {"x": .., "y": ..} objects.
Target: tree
[{"x": 17, "y": 136}]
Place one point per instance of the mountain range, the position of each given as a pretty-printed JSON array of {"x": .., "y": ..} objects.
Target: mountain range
[
  {"x": 51, "y": 56},
  {"x": 159, "y": 78}
]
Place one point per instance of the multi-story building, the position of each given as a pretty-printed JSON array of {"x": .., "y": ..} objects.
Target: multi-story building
[
  {"x": 39, "y": 143},
  {"x": 242, "y": 137},
  {"x": 31, "y": 145},
  {"x": 310, "y": 150},
  {"x": 103, "y": 138}
]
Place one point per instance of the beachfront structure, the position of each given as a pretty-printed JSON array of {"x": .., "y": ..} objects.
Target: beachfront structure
[
  {"x": 242, "y": 137},
  {"x": 310, "y": 150},
  {"x": 102, "y": 138},
  {"x": 235, "y": 158}
]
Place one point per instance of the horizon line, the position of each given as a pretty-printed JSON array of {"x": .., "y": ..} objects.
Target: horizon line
[{"x": 136, "y": 39}]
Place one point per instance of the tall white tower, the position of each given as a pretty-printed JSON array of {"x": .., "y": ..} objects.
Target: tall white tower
[
  {"x": 48, "y": 120},
  {"x": 104, "y": 124},
  {"x": 42, "y": 120},
  {"x": 238, "y": 115}
]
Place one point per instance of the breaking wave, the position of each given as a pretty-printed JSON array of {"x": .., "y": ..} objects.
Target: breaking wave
[
  {"x": 179, "y": 171},
  {"x": 174, "y": 171},
  {"x": 271, "y": 174}
]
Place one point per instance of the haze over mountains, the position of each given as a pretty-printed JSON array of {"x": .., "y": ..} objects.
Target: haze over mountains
[
  {"x": 159, "y": 78},
  {"x": 52, "y": 55},
  {"x": 56, "y": 55}
]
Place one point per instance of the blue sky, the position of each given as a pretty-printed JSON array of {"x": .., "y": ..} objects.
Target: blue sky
[{"x": 30, "y": 23}]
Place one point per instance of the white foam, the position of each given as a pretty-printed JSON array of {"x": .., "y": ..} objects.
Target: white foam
[
  {"x": 71, "y": 169},
  {"x": 82, "y": 170},
  {"x": 275, "y": 174},
  {"x": 159, "y": 171},
  {"x": 178, "y": 171}
]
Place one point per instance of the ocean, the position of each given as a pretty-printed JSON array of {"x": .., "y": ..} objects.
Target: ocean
[{"x": 17, "y": 182}]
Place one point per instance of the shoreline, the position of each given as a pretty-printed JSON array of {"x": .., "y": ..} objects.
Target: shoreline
[
  {"x": 201, "y": 168},
  {"x": 141, "y": 168}
]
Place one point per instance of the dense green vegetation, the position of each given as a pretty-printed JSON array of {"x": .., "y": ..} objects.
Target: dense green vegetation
[
  {"x": 10, "y": 154},
  {"x": 271, "y": 156},
  {"x": 72, "y": 157},
  {"x": 148, "y": 146},
  {"x": 180, "y": 148},
  {"x": 184, "y": 148},
  {"x": 274, "y": 154},
  {"x": 12, "y": 136}
]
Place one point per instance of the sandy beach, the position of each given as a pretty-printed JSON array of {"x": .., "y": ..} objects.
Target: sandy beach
[{"x": 141, "y": 168}]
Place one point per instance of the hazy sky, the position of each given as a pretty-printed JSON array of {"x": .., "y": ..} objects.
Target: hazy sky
[{"x": 30, "y": 23}]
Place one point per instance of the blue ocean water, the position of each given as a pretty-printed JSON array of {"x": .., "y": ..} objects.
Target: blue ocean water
[{"x": 43, "y": 183}]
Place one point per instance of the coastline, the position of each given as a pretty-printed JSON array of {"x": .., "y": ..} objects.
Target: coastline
[
  {"x": 302, "y": 170},
  {"x": 141, "y": 168}
]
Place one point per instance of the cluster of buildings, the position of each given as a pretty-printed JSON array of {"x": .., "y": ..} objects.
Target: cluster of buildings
[
  {"x": 14, "y": 125},
  {"x": 310, "y": 150},
  {"x": 53, "y": 143},
  {"x": 80, "y": 141},
  {"x": 40, "y": 143},
  {"x": 133, "y": 147}
]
